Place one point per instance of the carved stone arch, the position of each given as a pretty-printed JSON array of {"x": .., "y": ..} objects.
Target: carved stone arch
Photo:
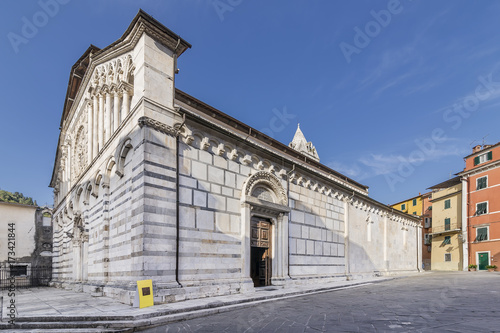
[
  {"x": 185, "y": 132},
  {"x": 96, "y": 183},
  {"x": 78, "y": 199},
  {"x": 231, "y": 152},
  {"x": 265, "y": 199},
  {"x": 69, "y": 209},
  {"x": 79, "y": 152},
  {"x": 255, "y": 160},
  {"x": 197, "y": 138},
  {"x": 229, "y": 148},
  {"x": 264, "y": 179},
  {"x": 107, "y": 172},
  {"x": 121, "y": 153},
  {"x": 46, "y": 211},
  {"x": 128, "y": 69},
  {"x": 88, "y": 191},
  {"x": 80, "y": 233},
  {"x": 214, "y": 145},
  {"x": 80, "y": 239}
]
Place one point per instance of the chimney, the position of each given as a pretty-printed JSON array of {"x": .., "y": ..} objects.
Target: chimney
[{"x": 475, "y": 149}]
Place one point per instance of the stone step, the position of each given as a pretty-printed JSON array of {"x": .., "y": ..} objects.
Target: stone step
[{"x": 74, "y": 330}]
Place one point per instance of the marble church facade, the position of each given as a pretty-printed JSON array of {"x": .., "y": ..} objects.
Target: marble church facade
[{"x": 151, "y": 183}]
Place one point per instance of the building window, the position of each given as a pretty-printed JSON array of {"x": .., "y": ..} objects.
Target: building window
[
  {"x": 447, "y": 224},
  {"x": 429, "y": 248},
  {"x": 428, "y": 222},
  {"x": 447, "y": 240},
  {"x": 447, "y": 257},
  {"x": 403, "y": 206},
  {"x": 483, "y": 158},
  {"x": 481, "y": 234},
  {"x": 18, "y": 270},
  {"x": 482, "y": 208},
  {"x": 482, "y": 183},
  {"x": 414, "y": 202},
  {"x": 427, "y": 239},
  {"x": 414, "y": 213},
  {"x": 447, "y": 204}
]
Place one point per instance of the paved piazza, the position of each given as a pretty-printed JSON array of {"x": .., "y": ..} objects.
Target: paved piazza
[{"x": 431, "y": 302}]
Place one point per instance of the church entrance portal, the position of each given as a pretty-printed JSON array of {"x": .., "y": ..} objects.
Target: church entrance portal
[{"x": 260, "y": 257}]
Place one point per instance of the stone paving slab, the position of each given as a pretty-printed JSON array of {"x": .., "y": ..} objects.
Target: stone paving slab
[
  {"x": 63, "y": 308},
  {"x": 438, "y": 302}
]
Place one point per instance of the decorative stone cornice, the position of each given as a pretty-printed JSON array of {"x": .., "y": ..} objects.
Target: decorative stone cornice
[
  {"x": 157, "y": 126},
  {"x": 272, "y": 182}
]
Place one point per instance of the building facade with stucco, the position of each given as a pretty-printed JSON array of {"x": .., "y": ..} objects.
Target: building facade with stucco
[
  {"x": 25, "y": 243},
  {"x": 151, "y": 183}
]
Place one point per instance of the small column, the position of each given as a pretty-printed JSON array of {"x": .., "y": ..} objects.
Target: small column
[
  {"x": 101, "y": 121},
  {"x": 346, "y": 238},
  {"x": 90, "y": 129},
  {"x": 108, "y": 120},
  {"x": 68, "y": 163},
  {"x": 126, "y": 102},
  {"x": 116, "y": 111},
  {"x": 95, "y": 138},
  {"x": 465, "y": 224}
]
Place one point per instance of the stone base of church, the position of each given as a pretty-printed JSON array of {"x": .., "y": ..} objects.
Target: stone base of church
[
  {"x": 175, "y": 292},
  {"x": 163, "y": 292}
]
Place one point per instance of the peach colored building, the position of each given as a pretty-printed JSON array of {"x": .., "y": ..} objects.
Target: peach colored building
[
  {"x": 447, "y": 238},
  {"x": 481, "y": 206}
]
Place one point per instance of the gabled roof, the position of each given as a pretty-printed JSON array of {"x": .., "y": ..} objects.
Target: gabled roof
[
  {"x": 446, "y": 184},
  {"x": 141, "y": 22},
  {"x": 75, "y": 79},
  {"x": 80, "y": 67}
]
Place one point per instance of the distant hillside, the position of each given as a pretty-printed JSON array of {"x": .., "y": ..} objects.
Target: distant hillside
[{"x": 16, "y": 197}]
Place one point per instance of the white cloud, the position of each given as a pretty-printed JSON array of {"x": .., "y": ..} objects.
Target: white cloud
[{"x": 377, "y": 164}]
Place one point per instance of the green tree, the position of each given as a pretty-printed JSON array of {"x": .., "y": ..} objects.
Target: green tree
[{"x": 16, "y": 197}]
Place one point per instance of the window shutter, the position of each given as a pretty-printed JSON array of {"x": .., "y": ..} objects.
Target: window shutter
[
  {"x": 490, "y": 155},
  {"x": 476, "y": 160}
]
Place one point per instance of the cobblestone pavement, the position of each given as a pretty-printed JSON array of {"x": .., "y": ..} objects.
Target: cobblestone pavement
[{"x": 437, "y": 302}]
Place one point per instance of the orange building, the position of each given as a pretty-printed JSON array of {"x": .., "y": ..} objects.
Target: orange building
[{"x": 481, "y": 206}]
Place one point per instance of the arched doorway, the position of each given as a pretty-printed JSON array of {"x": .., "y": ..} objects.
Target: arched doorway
[
  {"x": 265, "y": 230},
  {"x": 260, "y": 251},
  {"x": 80, "y": 249}
]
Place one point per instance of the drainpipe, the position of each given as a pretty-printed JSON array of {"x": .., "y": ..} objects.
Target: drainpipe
[
  {"x": 176, "y": 70},
  {"x": 177, "y": 220},
  {"x": 289, "y": 216},
  {"x": 468, "y": 223},
  {"x": 419, "y": 269},
  {"x": 422, "y": 223}
]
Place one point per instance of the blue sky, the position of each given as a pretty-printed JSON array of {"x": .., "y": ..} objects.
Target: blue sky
[{"x": 391, "y": 93}]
